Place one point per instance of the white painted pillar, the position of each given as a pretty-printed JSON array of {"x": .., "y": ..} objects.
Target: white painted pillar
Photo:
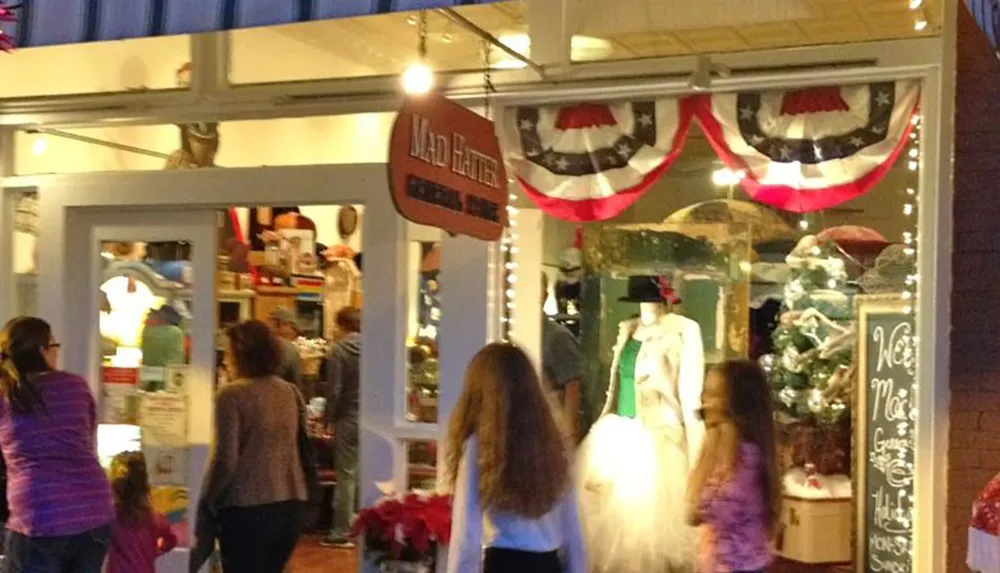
[
  {"x": 527, "y": 331},
  {"x": 465, "y": 321}
]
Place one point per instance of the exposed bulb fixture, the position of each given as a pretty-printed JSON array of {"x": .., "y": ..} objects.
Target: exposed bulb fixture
[
  {"x": 919, "y": 20},
  {"x": 418, "y": 79},
  {"x": 915, "y": 4}
]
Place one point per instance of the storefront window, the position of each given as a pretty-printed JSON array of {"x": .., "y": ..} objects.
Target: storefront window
[
  {"x": 421, "y": 465},
  {"x": 145, "y": 318},
  {"x": 100, "y": 67},
  {"x": 353, "y": 138},
  {"x": 373, "y": 46},
  {"x": 424, "y": 320},
  {"x": 25, "y": 253},
  {"x": 703, "y": 269},
  {"x": 625, "y": 31}
]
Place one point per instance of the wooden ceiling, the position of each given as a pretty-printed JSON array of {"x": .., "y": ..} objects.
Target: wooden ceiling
[{"x": 385, "y": 44}]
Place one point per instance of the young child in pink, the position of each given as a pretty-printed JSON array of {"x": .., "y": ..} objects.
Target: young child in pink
[{"x": 139, "y": 534}]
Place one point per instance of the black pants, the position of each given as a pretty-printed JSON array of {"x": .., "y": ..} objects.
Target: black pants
[
  {"x": 259, "y": 539},
  {"x": 514, "y": 561},
  {"x": 83, "y": 553}
]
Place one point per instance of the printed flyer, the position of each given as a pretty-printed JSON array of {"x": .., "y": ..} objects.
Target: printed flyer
[{"x": 163, "y": 418}]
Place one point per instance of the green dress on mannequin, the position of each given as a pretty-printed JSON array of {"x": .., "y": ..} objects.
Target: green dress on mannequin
[{"x": 626, "y": 373}]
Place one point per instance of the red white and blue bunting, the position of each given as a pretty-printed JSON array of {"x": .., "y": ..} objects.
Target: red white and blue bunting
[
  {"x": 590, "y": 162},
  {"x": 797, "y": 150}
]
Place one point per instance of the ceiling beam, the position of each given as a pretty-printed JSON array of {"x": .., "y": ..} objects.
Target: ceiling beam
[{"x": 551, "y": 24}]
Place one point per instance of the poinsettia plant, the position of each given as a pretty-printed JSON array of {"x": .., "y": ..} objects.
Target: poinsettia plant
[{"x": 407, "y": 527}]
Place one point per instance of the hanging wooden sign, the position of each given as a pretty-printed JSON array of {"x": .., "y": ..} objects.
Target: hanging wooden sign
[{"x": 446, "y": 169}]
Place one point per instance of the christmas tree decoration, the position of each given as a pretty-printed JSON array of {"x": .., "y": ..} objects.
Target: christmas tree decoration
[{"x": 812, "y": 366}]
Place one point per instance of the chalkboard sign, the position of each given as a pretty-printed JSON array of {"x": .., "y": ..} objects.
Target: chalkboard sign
[{"x": 885, "y": 416}]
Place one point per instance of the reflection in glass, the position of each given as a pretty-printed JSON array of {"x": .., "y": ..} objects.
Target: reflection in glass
[
  {"x": 424, "y": 320},
  {"x": 421, "y": 465},
  {"x": 25, "y": 253}
]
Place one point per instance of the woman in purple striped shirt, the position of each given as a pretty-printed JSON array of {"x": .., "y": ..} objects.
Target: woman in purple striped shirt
[{"x": 59, "y": 497}]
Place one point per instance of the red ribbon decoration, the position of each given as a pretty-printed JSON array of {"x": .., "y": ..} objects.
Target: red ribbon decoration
[{"x": 666, "y": 291}]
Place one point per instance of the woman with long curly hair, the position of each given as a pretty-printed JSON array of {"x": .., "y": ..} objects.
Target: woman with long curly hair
[
  {"x": 734, "y": 491},
  {"x": 509, "y": 467}
]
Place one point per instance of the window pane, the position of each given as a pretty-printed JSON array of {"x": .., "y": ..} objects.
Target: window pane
[
  {"x": 99, "y": 67},
  {"x": 422, "y": 340},
  {"x": 421, "y": 465},
  {"x": 353, "y": 138},
  {"x": 372, "y": 46},
  {"x": 629, "y": 30},
  {"x": 25, "y": 262}
]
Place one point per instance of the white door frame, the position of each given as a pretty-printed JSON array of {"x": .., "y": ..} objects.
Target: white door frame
[
  {"x": 87, "y": 229},
  {"x": 464, "y": 324}
]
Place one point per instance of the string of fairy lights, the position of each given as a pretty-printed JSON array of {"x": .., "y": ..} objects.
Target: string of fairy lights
[
  {"x": 910, "y": 212},
  {"x": 508, "y": 252}
]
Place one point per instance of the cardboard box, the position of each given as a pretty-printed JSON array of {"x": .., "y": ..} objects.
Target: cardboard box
[{"x": 816, "y": 531}]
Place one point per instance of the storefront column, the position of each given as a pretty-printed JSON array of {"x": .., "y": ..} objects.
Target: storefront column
[
  {"x": 974, "y": 436},
  {"x": 465, "y": 320},
  {"x": 528, "y": 301},
  {"x": 7, "y": 286}
]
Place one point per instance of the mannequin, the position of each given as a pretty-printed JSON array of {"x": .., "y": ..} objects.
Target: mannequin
[{"x": 638, "y": 454}]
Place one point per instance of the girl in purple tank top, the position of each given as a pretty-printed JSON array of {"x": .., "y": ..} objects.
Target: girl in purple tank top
[{"x": 734, "y": 493}]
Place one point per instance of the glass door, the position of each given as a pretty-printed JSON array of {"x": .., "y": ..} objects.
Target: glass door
[{"x": 146, "y": 332}]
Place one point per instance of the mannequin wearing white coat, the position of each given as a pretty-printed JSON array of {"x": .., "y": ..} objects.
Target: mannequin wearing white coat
[{"x": 634, "y": 469}]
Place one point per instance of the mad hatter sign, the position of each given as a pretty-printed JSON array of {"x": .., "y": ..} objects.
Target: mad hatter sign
[{"x": 446, "y": 170}]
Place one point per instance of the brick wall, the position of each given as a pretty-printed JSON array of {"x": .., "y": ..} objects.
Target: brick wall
[{"x": 974, "y": 448}]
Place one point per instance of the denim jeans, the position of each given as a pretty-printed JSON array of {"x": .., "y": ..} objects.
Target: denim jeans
[
  {"x": 83, "y": 553},
  {"x": 345, "y": 459}
]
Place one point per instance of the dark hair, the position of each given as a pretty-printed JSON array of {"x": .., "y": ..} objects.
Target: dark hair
[
  {"x": 21, "y": 359},
  {"x": 349, "y": 319},
  {"x": 752, "y": 412},
  {"x": 523, "y": 460},
  {"x": 130, "y": 485},
  {"x": 255, "y": 349}
]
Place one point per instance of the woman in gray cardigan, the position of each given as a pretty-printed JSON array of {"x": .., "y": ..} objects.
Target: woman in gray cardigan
[{"x": 256, "y": 487}]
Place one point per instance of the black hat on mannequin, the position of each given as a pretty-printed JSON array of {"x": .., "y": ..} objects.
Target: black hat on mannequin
[{"x": 648, "y": 288}]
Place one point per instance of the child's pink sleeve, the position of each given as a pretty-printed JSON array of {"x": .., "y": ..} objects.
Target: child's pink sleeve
[{"x": 166, "y": 539}]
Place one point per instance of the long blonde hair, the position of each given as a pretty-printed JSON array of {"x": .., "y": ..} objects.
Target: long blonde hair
[{"x": 523, "y": 463}]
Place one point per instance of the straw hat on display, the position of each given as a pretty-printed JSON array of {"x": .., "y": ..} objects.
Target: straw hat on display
[{"x": 892, "y": 267}]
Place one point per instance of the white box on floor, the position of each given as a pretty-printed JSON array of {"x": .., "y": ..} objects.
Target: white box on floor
[{"x": 815, "y": 531}]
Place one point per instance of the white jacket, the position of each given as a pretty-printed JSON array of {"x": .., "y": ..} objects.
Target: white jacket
[{"x": 670, "y": 374}]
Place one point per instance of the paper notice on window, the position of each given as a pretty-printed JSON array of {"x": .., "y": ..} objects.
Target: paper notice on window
[
  {"x": 163, "y": 419},
  {"x": 167, "y": 466}
]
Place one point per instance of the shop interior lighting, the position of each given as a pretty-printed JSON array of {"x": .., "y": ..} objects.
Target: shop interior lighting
[
  {"x": 418, "y": 79},
  {"x": 40, "y": 145},
  {"x": 726, "y": 177},
  {"x": 919, "y": 20},
  {"x": 915, "y": 4}
]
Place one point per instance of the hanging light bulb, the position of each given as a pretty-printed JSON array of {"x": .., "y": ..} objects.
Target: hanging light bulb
[
  {"x": 40, "y": 145},
  {"x": 418, "y": 79}
]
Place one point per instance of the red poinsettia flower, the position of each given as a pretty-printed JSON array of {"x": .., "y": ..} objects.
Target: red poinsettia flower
[{"x": 408, "y": 527}]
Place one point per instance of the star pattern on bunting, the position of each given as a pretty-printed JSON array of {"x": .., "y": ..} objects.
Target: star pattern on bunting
[{"x": 882, "y": 99}]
